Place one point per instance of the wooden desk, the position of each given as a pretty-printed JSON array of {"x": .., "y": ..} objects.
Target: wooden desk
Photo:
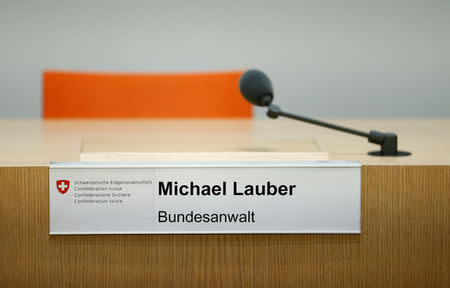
[{"x": 405, "y": 240}]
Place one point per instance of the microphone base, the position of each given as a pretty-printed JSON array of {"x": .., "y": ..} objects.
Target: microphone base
[
  {"x": 397, "y": 154},
  {"x": 388, "y": 144}
]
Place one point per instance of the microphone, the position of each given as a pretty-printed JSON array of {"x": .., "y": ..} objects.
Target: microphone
[{"x": 257, "y": 89}]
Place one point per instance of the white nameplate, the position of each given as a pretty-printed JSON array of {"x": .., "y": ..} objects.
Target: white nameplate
[{"x": 226, "y": 197}]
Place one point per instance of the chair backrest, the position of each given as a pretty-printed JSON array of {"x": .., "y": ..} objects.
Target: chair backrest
[{"x": 133, "y": 95}]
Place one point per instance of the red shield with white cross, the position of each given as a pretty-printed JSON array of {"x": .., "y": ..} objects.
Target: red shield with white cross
[{"x": 62, "y": 186}]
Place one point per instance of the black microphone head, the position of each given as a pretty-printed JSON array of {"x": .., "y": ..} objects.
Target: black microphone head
[{"x": 256, "y": 87}]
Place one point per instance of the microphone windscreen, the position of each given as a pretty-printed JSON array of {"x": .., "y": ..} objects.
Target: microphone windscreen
[{"x": 256, "y": 87}]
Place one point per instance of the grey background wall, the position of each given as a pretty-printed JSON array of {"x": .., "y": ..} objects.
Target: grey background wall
[{"x": 326, "y": 58}]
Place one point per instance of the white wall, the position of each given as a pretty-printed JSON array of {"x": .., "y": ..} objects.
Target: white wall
[{"x": 335, "y": 58}]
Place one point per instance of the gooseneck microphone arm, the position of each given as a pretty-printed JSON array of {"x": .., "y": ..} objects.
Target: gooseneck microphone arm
[
  {"x": 271, "y": 114},
  {"x": 257, "y": 89},
  {"x": 387, "y": 141}
]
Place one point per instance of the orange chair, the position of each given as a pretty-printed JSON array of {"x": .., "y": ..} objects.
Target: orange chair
[{"x": 129, "y": 95}]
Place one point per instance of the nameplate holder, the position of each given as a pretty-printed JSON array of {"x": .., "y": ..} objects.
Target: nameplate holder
[{"x": 205, "y": 197}]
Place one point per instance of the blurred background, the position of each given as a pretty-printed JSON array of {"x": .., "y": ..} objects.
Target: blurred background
[{"x": 326, "y": 58}]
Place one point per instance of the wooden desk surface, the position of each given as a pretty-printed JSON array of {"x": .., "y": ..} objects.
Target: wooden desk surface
[
  {"x": 36, "y": 142},
  {"x": 405, "y": 215}
]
